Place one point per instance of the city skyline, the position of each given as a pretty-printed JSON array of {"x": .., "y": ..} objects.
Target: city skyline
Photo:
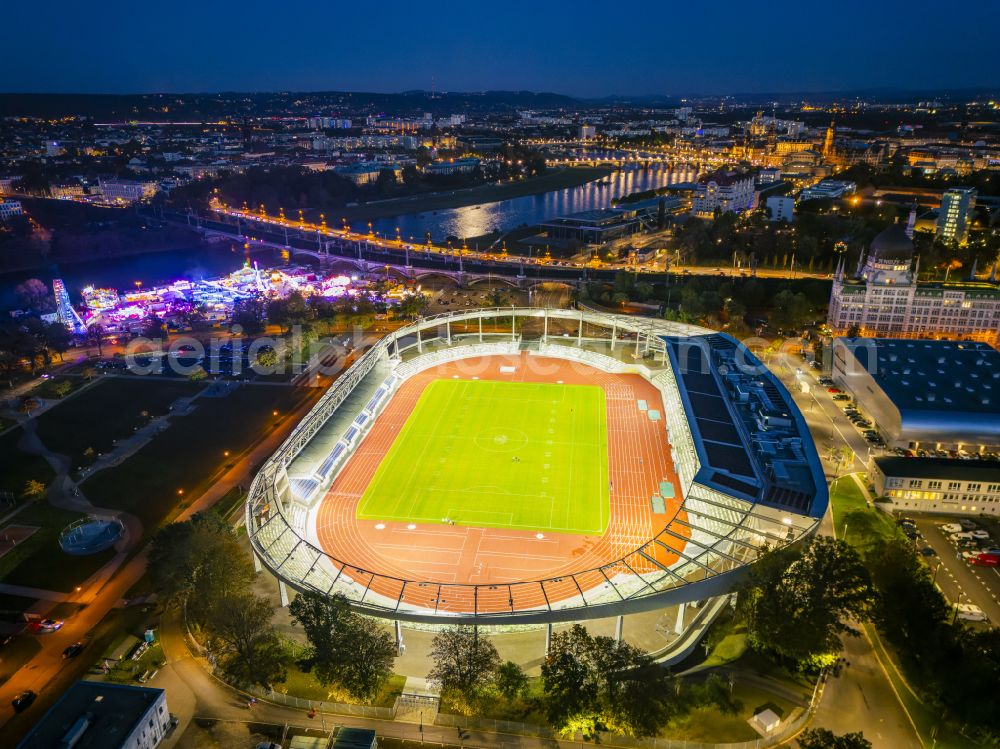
[{"x": 658, "y": 50}]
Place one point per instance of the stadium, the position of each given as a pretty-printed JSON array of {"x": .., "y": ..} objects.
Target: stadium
[{"x": 530, "y": 466}]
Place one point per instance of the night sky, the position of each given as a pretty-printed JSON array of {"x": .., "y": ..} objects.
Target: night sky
[{"x": 579, "y": 48}]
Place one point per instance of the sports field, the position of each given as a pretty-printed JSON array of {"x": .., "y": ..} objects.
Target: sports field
[{"x": 531, "y": 456}]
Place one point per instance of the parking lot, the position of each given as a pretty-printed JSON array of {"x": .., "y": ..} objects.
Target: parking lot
[{"x": 959, "y": 581}]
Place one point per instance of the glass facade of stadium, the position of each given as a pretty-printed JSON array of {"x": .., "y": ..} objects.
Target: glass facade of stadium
[{"x": 725, "y": 525}]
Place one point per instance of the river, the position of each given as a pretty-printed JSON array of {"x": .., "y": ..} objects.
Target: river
[
  {"x": 473, "y": 221},
  {"x": 470, "y": 221}
]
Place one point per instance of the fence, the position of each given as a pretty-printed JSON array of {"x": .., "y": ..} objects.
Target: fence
[{"x": 338, "y": 708}]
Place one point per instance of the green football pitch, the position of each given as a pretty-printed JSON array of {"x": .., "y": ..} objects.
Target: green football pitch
[{"x": 531, "y": 456}]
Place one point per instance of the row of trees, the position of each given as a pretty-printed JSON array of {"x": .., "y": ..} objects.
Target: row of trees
[
  {"x": 589, "y": 683},
  {"x": 737, "y": 305}
]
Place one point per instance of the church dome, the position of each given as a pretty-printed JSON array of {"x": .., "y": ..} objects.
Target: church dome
[{"x": 892, "y": 246}]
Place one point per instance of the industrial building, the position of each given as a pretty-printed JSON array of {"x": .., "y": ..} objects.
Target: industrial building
[{"x": 935, "y": 395}]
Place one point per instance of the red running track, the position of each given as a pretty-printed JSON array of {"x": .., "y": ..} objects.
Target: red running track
[{"x": 497, "y": 559}]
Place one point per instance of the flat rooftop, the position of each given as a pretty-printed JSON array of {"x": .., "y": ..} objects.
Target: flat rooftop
[
  {"x": 950, "y": 376},
  {"x": 114, "y": 711},
  {"x": 940, "y": 468}
]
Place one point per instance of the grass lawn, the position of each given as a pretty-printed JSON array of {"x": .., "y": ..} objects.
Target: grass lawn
[
  {"x": 498, "y": 454},
  {"x": 18, "y": 467},
  {"x": 710, "y": 725},
  {"x": 111, "y": 409},
  {"x": 57, "y": 387},
  {"x": 855, "y": 522},
  {"x": 304, "y": 685},
  {"x": 187, "y": 456},
  {"x": 39, "y": 562}
]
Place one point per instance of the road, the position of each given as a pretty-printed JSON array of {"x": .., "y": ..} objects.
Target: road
[
  {"x": 48, "y": 663},
  {"x": 861, "y": 698}
]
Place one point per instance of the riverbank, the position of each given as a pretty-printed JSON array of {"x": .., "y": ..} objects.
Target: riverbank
[{"x": 554, "y": 179}]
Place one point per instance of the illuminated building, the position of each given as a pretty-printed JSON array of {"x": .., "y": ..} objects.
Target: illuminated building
[
  {"x": 924, "y": 394},
  {"x": 9, "y": 209},
  {"x": 938, "y": 484},
  {"x": 957, "y": 205},
  {"x": 126, "y": 191},
  {"x": 885, "y": 299},
  {"x": 724, "y": 192}
]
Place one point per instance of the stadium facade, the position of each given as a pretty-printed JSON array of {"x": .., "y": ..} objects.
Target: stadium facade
[{"x": 749, "y": 474}]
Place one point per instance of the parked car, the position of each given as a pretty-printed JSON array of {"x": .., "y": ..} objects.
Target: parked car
[
  {"x": 927, "y": 551},
  {"x": 970, "y": 612},
  {"x": 834, "y": 390},
  {"x": 23, "y": 701},
  {"x": 985, "y": 560},
  {"x": 73, "y": 650},
  {"x": 951, "y": 528},
  {"x": 980, "y": 534},
  {"x": 841, "y": 397},
  {"x": 967, "y": 525}
]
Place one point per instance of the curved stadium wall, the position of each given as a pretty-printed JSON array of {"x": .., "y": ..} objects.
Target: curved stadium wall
[{"x": 728, "y": 518}]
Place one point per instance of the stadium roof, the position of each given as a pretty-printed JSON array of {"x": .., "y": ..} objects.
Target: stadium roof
[{"x": 750, "y": 438}]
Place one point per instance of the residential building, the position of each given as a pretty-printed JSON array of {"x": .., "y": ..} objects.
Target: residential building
[
  {"x": 586, "y": 132},
  {"x": 936, "y": 395},
  {"x": 102, "y": 715},
  {"x": 781, "y": 208},
  {"x": 126, "y": 191},
  {"x": 938, "y": 484},
  {"x": 7, "y": 185},
  {"x": 723, "y": 192},
  {"x": 884, "y": 298},
  {"x": 9, "y": 209},
  {"x": 955, "y": 214}
]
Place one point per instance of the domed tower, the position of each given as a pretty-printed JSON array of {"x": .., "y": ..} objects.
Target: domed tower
[{"x": 890, "y": 258}]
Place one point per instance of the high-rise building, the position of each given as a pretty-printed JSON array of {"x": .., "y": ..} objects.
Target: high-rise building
[
  {"x": 957, "y": 205},
  {"x": 883, "y": 298}
]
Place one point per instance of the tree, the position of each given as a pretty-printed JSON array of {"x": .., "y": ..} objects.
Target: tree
[
  {"x": 463, "y": 660},
  {"x": 198, "y": 563},
  {"x": 33, "y": 489},
  {"x": 154, "y": 328},
  {"x": 593, "y": 682},
  {"x": 35, "y": 295},
  {"x": 345, "y": 648},
  {"x": 510, "y": 680},
  {"x": 57, "y": 338},
  {"x": 250, "y": 649},
  {"x": 249, "y": 314},
  {"x": 797, "y": 603},
  {"x": 62, "y": 388},
  {"x": 823, "y": 738}
]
